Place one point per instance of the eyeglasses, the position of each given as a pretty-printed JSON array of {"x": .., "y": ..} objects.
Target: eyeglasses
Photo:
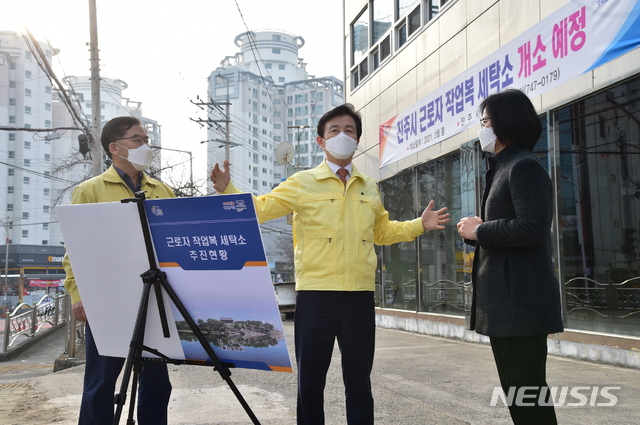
[
  {"x": 483, "y": 121},
  {"x": 136, "y": 139}
]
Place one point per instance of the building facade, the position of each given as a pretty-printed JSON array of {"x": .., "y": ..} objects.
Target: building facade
[
  {"x": 39, "y": 162},
  {"x": 69, "y": 167},
  {"x": 26, "y": 154},
  {"x": 272, "y": 100},
  {"x": 33, "y": 271},
  {"x": 414, "y": 63}
]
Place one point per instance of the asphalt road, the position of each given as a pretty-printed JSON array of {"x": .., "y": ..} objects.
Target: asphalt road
[{"x": 417, "y": 380}]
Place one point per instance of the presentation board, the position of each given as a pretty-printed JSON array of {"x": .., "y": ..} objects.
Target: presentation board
[{"x": 212, "y": 252}]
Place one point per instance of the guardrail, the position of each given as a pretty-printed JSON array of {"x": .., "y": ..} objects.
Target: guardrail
[
  {"x": 444, "y": 294},
  {"x": 26, "y": 320},
  {"x": 608, "y": 300}
]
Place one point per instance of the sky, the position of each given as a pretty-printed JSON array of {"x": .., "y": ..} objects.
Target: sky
[{"x": 165, "y": 49}]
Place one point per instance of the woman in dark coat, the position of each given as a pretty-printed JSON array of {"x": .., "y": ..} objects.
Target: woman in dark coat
[{"x": 516, "y": 296}]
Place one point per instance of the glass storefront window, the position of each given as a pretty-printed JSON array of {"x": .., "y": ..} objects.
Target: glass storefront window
[
  {"x": 598, "y": 177},
  {"x": 398, "y": 277},
  {"x": 542, "y": 146},
  {"x": 591, "y": 149},
  {"x": 441, "y": 251}
]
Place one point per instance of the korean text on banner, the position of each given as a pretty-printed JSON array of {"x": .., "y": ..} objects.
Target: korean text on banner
[{"x": 575, "y": 39}]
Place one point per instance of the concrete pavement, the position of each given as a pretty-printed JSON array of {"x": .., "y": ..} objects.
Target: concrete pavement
[{"x": 417, "y": 380}]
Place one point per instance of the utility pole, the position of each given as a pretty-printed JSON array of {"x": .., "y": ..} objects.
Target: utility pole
[
  {"x": 96, "y": 110},
  {"x": 227, "y": 121},
  {"x": 209, "y": 121},
  {"x": 226, "y": 126},
  {"x": 300, "y": 128},
  {"x": 7, "y": 226}
]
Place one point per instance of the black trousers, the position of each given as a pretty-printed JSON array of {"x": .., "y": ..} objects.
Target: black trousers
[
  {"x": 321, "y": 317},
  {"x": 521, "y": 362},
  {"x": 101, "y": 372}
]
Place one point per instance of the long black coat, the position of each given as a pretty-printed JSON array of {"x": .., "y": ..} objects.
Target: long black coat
[{"x": 515, "y": 290}]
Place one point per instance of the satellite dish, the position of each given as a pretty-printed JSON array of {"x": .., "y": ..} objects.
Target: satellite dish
[{"x": 284, "y": 153}]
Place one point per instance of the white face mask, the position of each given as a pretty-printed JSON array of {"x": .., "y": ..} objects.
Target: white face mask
[
  {"x": 340, "y": 146},
  {"x": 487, "y": 139},
  {"x": 140, "y": 157}
]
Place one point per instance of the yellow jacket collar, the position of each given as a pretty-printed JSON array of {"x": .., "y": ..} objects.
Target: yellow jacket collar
[{"x": 112, "y": 176}]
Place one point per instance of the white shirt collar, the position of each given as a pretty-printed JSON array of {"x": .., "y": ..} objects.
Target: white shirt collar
[{"x": 336, "y": 167}]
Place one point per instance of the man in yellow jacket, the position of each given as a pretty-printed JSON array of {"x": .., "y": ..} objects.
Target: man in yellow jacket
[
  {"x": 337, "y": 218},
  {"x": 126, "y": 142}
]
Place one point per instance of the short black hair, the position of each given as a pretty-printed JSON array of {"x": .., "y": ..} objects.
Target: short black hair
[
  {"x": 114, "y": 129},
  {"x": 346, "y": 109},
  {"x": 513, "y": 118}
]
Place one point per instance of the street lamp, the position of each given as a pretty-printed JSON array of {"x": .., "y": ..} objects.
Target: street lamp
[
  {"x": 7, "y": 226},
  {"x": 190, "y": 162}
]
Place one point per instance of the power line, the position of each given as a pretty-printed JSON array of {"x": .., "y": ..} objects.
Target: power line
[
  {"x": 25, "y": 81},
  {"x": 251, "y": 148},
  {"x": 242, "y": 172},
  {"x": 158, "y": 36},
  {"x": 49, "y": 176},
  {"x": 77, "y": 100},
  {"x": 66, "y": 78},
  {"x": 34, "y": 47},
  {"x": 35, "y": 224},
  {"x": 260, "y": 136},
  {"x": 255, "y": 56},
  {"x": 38, "y": 130}
]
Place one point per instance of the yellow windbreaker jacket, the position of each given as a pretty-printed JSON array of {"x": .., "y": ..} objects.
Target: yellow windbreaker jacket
[
  {"x": 334, "y": 227},
  {"x": 108, "y": 187}
]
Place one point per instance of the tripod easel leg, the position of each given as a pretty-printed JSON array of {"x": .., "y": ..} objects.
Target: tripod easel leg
[
  {"x": 135, "y": 353},
  {"x": 155, "y": 277},
  {"x": 137, "y": 370},
  {"x": 222, "y": 369}
]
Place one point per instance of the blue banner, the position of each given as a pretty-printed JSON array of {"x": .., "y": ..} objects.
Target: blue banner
[{"x": 212, "y": 252}]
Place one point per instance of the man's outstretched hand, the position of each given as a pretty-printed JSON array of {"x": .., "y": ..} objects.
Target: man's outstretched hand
[
  {"x": 220, "y": 177},
  {"x": 434, "y": 220}
]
